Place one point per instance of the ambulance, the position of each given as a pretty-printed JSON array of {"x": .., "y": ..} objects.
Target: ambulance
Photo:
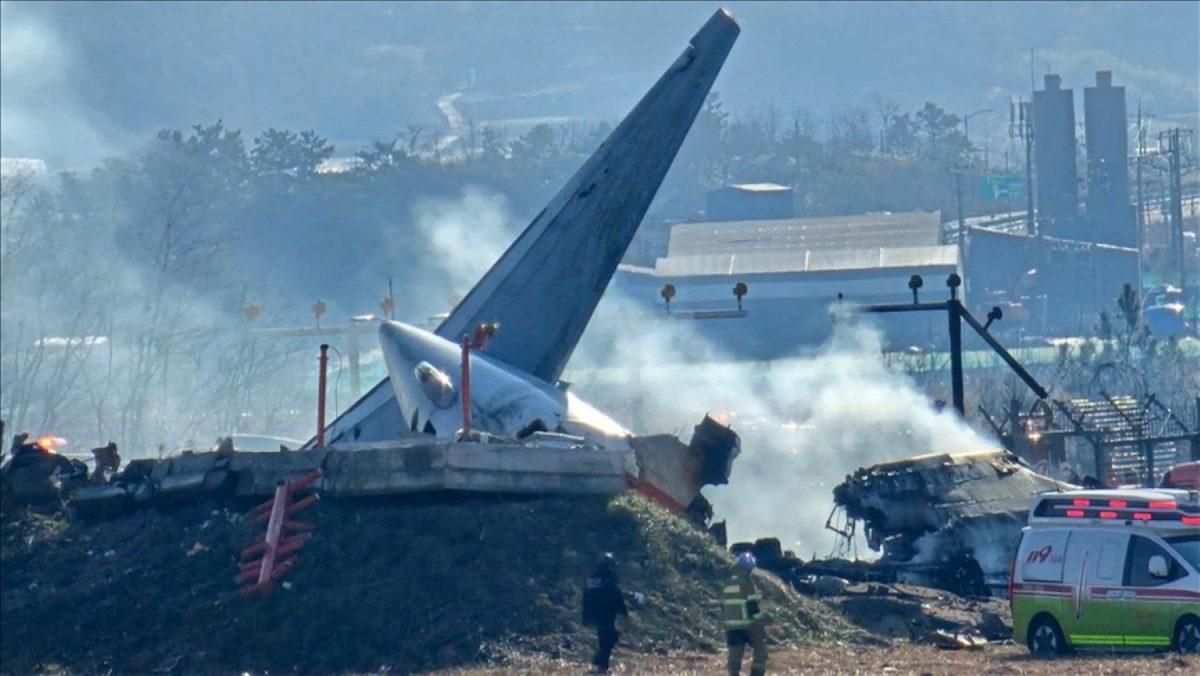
[{"x": 1109, "y": 569}]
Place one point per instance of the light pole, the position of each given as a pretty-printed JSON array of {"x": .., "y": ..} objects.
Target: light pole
[{"x": 967, "y": 123}]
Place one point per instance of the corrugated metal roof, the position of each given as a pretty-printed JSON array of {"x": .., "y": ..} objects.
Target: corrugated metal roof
[
  {"x": 834, "y": 233},
  {"x": 806, "y": 261}
]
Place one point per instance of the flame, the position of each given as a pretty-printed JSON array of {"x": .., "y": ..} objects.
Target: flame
[{"x": 48, "y": 443}]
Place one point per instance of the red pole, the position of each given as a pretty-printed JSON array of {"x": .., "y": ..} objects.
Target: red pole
[
  {"x": 321, "y": 396},
  {"x": 466, "y": 386}
]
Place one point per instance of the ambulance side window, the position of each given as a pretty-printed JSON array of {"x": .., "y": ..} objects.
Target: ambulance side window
[
  {"x": 1108, "y": 564},
  {"x": 1137, "y": 564}
]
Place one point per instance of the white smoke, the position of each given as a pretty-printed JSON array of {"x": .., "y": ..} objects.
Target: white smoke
[
  {"x": 805, "y": 421},
  {"x": 462, "y": 238},
  {"x": 40, "y": 114}
]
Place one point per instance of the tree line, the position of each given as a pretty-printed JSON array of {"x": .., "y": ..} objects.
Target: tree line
[{"x": 130, "y": 290}]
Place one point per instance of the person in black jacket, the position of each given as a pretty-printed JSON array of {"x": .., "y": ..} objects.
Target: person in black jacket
[{"x": 602, "y": 603}]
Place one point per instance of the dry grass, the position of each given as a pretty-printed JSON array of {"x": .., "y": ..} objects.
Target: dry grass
[{"x": 898, "y": 658}]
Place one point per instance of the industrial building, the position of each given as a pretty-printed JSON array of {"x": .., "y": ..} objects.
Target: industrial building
[
  {"x": 1054, "y": 156},
  {"x": 793, "y": 271},
  {"x": 1059, "y": 285},
  {"x": 1110, "y": 213},
  {"x": 1054, "y": 277},
  {"x": 1073, "y": 263}
]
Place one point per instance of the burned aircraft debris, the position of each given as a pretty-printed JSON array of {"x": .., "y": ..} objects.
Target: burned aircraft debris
[
  {"x": 37, "y": 476},
  {"x": 661, "y": 467},
  {"x": 945, "y": 516}
]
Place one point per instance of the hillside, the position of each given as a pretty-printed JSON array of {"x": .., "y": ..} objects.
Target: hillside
[{"x": 397, "y": 585}]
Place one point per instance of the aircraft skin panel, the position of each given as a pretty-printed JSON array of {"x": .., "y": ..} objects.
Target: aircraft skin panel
[{"x": 545, "y": 287}]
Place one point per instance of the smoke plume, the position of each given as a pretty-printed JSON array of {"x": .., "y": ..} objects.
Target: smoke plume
[
  {"x": 806, "y": 421},
  {"x": 461, "y": 239}
]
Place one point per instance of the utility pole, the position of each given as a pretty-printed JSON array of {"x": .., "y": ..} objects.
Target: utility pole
[
  {"x": 1021, "y": 126},
  {"x": 1174, "y": 177},
  {"x": 1140, "y": 221},
  {"x": 967, "y": 121},
  {"x": 1141, "y": 152},
  {"x": 962, "y": 224},
  {"x": 954, "y": 313},
  {"x": 958, "y": 197}
]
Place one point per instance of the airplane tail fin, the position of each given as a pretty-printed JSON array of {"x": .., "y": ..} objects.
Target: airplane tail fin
[{"x": 545, "y": 287}]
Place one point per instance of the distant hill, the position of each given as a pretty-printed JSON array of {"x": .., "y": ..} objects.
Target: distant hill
[{"x": 80, "y": 79}]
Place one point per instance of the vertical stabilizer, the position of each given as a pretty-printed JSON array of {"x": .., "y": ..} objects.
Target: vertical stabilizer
[{"x": 545, "y": 287}]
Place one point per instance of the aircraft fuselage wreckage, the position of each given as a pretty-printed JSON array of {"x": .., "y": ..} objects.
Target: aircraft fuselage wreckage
[{"x": 542, "y": 292}]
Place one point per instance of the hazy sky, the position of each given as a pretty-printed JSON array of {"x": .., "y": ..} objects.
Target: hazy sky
[{"x": 82, "y": 80}]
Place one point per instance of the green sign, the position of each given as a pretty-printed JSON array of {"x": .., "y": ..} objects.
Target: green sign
[{"x": 1002, "y": 187}]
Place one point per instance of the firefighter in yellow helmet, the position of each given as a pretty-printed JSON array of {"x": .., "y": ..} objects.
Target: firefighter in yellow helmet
[{"x": 743, "y": 617}]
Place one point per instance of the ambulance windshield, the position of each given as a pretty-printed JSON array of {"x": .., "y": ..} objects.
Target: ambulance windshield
[{"x": 1187, "y": 546}]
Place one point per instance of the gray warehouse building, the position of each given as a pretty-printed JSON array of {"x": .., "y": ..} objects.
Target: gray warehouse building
[{"x": 794, "y": 270}]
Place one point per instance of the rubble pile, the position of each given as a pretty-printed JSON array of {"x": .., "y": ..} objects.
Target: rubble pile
[
  {"x": 924, "y": 615},
  {"x": 400, "y": 584},
  {"x": 869, "y": 595}
]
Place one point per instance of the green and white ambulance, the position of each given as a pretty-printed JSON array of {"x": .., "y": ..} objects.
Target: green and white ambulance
[{"x": 1109, "y": 569}]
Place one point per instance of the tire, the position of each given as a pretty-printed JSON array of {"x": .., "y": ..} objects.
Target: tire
[
  {"x": 1187, "y": 636},
  {"x": 1045, "y": 638}
]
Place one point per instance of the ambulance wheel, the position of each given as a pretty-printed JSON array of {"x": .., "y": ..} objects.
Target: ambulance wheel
[
  {"x": 1187, "y": 635},
  {"x": 1046, "y": 638}
]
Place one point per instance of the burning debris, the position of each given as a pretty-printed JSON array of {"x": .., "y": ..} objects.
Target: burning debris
[
  {"x": 36, "y": 475},
  {"x": 672, "y": 473},
  {"x": 942, "y": 519}
]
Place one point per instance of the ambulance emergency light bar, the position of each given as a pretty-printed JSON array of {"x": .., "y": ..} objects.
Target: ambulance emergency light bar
[{"x": 1119, "y": 508}]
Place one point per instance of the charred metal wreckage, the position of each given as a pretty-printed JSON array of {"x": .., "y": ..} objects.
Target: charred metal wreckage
[{"x": 950, "y": 520}]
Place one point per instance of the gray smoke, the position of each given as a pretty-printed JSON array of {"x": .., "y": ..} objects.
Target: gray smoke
[
  {"x": 806, "y": 421},
  {"x": 40, "y": 114}
]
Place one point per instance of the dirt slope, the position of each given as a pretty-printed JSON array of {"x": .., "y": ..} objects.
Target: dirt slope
[{"x": 395, "y": 585}]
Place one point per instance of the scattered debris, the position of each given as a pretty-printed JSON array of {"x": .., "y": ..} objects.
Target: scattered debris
[
  {"x": 108, "y": 463},
  {"x": 916, "y": 613},
  {"x": 38, "y": 477},
  {"x": 956, "y": 641},
  {"x": 672, "y": 473}
]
